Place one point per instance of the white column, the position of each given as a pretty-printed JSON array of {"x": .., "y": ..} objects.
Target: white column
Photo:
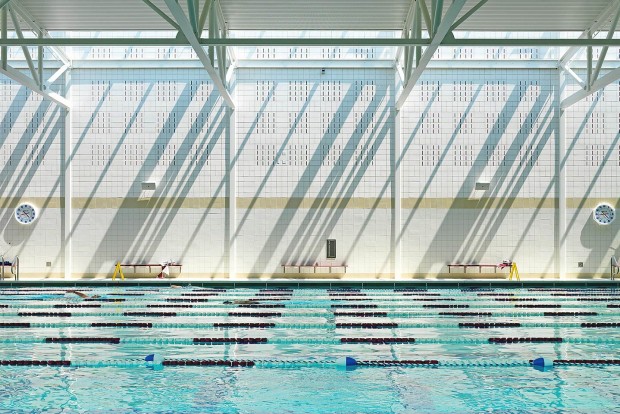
[
  {"x": 68, "y": 181},
  {"x": 231, "y": 168},
  {"x": 396, "y": 188},
  {"x": 561, "y": 179}
]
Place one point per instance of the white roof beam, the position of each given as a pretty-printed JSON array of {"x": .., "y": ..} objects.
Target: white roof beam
[
  {"x": 186, "y": 29},
  {"x": 162, "y": 14},
  {"x": 596, "y": 25},
  {"x": 596, "y": 86},
  {"x": 224, "y": 26},
  {"x": 57, "y": 74},
  {"x": 580, "y": 81},
  {"x": 192, "y": 11},
  {"x": 468, "y": 14},
  {"x": 406, "y": 28},
  {"x": 442, "y": 30},
  {"x": 610, "y": 34},
  {"x": 427, "y": 18},
  {"x": 38, "y": 29},
  {"x": 29, "y": 83},
  {"x": 20, "y": 35}
]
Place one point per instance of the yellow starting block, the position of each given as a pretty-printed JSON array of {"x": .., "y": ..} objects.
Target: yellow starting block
[
  {"x": 513, "y": 272},
  {"x": 119, "y": 270}
]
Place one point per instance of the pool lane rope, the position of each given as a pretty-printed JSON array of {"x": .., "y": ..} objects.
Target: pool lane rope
[
  {"x": 441, "y": 314},
  {"x": 219, "y": 326},
  {"x": 156, "y": 360},
  {"x": 495, "y": 341}
]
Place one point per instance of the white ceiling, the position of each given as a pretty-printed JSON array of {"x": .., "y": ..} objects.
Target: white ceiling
[{"x": 495, "y": 15}]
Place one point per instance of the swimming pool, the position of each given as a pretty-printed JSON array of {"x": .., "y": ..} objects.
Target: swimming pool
[{"x": 277, "y": 349}]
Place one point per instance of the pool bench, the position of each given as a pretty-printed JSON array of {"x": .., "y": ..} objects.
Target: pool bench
[
  {"x": 148, "y": 268},
  {"x": 314, "y": 267},
  {"x": 465, "y": 266}
]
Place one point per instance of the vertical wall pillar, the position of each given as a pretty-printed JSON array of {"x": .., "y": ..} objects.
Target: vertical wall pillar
[
  {"x": 67, "y": 164},
  {"x": 231, "y": 169},
  {"x": 397, "y": 232},
  {"x": 561, "y": 165}
]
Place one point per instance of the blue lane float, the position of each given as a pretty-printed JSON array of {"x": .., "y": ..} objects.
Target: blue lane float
[
  {"x": 154, "y": 359},
  {"x": 542, "y": 362},
  {"x": 346, "y": 362}
]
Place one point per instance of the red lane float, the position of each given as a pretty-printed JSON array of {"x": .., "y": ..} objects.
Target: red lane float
[
  {"x": 255, "y": 314},
  {"x": 445, "y": 306},
  {"x": 89, "y": 340},
  {"x": 465, "y": 314},
  {"x": 570, "y": 313},
  {"x": 482, "y": 325},
  {"x": 149, "y": 314},
  {"x": 230, "y": 340},
  {"x": 399, "y": 362},
  {"x": 35, "y": 363},
  {"x": 258, "y": 305},
  {"x": 362, "y": 314},
  {"x": 121, "y": 325},
  {"x": 354, "y": 306},
  {"x": 548, "y": 306},
  {"x": 76, "y": 306},
  {"x": 521, "y": 340},
  {"x": 14, "y": 325},
  {"x": 378, "y": 325},
  {"x": 208, "y": 362},
  {"x": 377, "y": 340},
  {"x": 171, "y": 306}
]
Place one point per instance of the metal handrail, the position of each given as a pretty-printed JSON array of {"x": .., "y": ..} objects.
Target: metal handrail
[
  {"x": 2, "y": 270},
  {"x": 16, "y": 267}
]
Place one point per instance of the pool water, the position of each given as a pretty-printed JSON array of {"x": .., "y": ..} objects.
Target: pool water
[{"x": 456, "y": 342}]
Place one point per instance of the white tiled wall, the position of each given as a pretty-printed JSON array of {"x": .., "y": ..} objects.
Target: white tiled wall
[
  {"x": 480, "y": 126},
  {"x": 593, "y": 159},
  {"x": 316, "y": 135},
  {"x": 164, "y": 126},
  {"x": 31, "y": 134},
  {"x": 313, "y": 163}
]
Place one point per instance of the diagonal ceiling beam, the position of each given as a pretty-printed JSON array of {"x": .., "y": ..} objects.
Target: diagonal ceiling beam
[
  {"x": 25, "y": 50},
  {"x": 406, "y": 28},
  {"x": 186, "y": 29},
  {"x": 29, "y": 83},
  {"x": 427, "y": 17},
  {"x": 467, "y": 15},
  {"x": 162, "y": 14},
  {"x": 597, "y": 85},
  {"x": 610, "y": 34},
  {"x": 27, "y": 17},
  {"x": 442, "y": 30},
  {"x": 596, "y": 25}
]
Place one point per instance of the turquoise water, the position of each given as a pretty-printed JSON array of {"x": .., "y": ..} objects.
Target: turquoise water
[{"x": 295, "y": 367}]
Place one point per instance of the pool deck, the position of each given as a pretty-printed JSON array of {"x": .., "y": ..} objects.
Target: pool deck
[{"x": 320, "y": 284}]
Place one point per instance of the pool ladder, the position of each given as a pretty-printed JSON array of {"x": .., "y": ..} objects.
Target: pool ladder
[
  {"x": 615, "y": 267},
  {"x": 14, "y": 267}
]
